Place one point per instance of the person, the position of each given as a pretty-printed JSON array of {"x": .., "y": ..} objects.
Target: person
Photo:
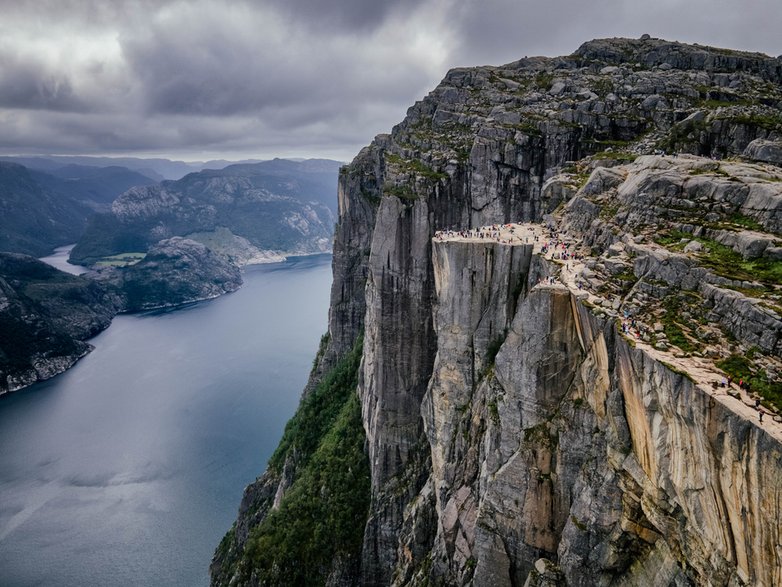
[{"x": 761, "y": 416}]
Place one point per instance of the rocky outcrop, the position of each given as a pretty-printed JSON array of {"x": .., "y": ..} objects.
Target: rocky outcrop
[
  {"x": 765, "y": 151},
  {"x": 175, "y": 271},
  {"x": 45, "y": 318},
  {"x": 516, "y": 435},
  {"x": 249, "y": 213}
]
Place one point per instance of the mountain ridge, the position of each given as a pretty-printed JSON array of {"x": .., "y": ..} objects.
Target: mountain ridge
[{"x": 275, "y": 208}]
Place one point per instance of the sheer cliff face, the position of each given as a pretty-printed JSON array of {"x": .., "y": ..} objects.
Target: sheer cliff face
[
  {"x": 514, "y": 436},
  {"x": 576, "y": 447},
  {"x": 504, "y": 422}
]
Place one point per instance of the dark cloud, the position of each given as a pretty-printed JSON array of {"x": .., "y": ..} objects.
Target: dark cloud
[
  {"x": 30, "y": 83},
  {"x": 290, "y": 77},
  {"x": 339, "y": 16}
]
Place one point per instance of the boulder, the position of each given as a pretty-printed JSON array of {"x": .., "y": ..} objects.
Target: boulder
[{"x": 765, "y": 151}]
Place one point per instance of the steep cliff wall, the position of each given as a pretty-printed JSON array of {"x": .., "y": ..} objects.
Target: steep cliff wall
[
  {"x": 514, "y": 435},
  {"x": 576, "y": 445}
]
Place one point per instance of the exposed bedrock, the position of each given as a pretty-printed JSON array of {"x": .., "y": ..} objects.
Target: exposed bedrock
[{"x": 575, "y": 447}]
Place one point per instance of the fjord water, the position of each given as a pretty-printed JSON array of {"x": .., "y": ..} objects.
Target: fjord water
[
  {"x": 59, "y": 259},
  {"x": 129, "y": 468}
]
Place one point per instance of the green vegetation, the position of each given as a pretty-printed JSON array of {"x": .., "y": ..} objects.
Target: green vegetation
[
  {"x": 724, "y": 261},
  {"x": 672, "y": 239},
  {"x": 318, "y": 411},
  {"x": 675, "y": 331},
  {"x": 403, "y": 192},
  {"x": 494, "y": 412},
  {"x": 416, "y": 167},
  {"x": 622, "y": 156},
  {"x": 603, "y": 86},
  {"x": 578, "y": 524},
  {"x": 324, "y": 341},
  {"x": 708, "y": 170},
  {"x": 766, "y": 120},
  {"x": 742, "y": 367},
  {"x": 121, "y": 260},
  {"x": 322, "y": 516},
  {"x": 746, "y": 222},
  {"x": 678, "y": 371},
  {"x": 543, "y": 434},
  {"x": 608, "y": 211},
  {"x": 544, "y": 79}
]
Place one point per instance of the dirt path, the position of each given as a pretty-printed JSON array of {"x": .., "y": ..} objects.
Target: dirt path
[{"x": 702, "y": 371}]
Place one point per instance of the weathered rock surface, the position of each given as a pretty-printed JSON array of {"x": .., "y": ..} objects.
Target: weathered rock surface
[
  {"x": 765, "y": 151},
  {"x": 515, "y": 435},
  {"x": 251, "y": 213},
  {"x": 45, "y": 317},
  {"x": 175, "y": 271}
]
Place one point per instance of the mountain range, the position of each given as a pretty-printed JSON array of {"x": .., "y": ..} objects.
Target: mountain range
[{"x": 249, "y": 212}]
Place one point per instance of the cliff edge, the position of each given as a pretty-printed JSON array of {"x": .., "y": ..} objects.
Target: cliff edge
[{"x": 557, "y": 403}]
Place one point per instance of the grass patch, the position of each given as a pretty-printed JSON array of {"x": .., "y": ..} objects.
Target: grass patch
[
  {"x": 746, "y": 222},
  {"x": 403, "y": 192},
  {"x": 672, "y": 238},
  {"x": 416, "y": 167},
  {"x": 742, "y": 367},
  {"x": 544, "y": 79},
  {"x": 622, "y": 156},
  {"x": 120, "y": 260},
  {"x": 674, "y": 330},
  {"x": 724, "y": 261},
  {"x": 764, "y": 120}
]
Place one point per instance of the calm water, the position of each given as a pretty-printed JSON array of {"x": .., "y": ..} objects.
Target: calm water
[
  {"x": 59, "y": 259},
  {"x": 129, "y": 468}
]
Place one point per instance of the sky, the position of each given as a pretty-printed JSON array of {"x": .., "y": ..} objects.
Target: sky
[{"x": 204, "y": 79}]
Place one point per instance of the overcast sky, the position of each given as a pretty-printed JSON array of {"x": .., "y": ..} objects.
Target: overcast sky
[{"x": 298, "y": 78}]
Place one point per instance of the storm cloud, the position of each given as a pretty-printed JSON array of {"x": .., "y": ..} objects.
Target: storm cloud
[{"x": 201, "y": 79}]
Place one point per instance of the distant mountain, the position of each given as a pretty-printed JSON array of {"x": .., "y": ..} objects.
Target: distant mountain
[
  {"x": 33, "y": 217},
  {"x": 157, "y": 169},
  {"x": 246, "y": 211},
  {"x": 94, "y": 185}
]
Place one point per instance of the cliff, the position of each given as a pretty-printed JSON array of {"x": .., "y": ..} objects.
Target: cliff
[{"x": 552, "y": 416}]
